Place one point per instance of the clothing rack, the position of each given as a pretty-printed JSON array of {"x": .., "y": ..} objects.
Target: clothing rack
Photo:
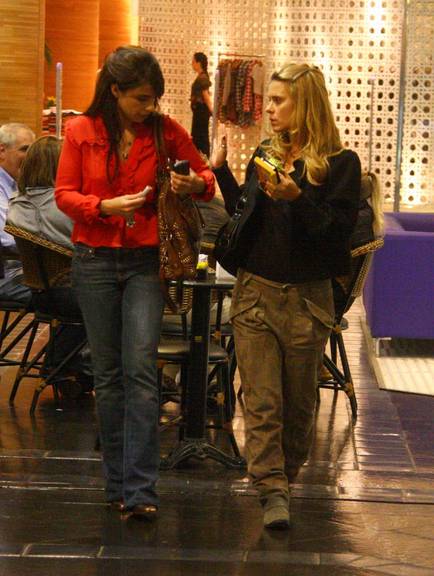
[
  {"x": 238, "y": 55},
  {"x": 226, "y": 55}
]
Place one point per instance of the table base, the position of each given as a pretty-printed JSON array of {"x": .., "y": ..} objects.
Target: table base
[{"x": 200, "y": 449}]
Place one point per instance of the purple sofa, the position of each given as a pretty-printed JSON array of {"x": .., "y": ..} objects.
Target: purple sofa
[{"x": 399, "y": 291}]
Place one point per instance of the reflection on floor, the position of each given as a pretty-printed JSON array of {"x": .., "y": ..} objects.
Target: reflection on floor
[
  {"x": 401, "y": 364},
  {"x": 363, "y": 505}
]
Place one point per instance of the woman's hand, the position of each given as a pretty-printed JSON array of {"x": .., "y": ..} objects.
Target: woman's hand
[
  {"x": 186, "y": 185},
  {"x": 122, "y": 205},
  {"x": 287, "y": 189},
  {"x": 219, "y": 153}
]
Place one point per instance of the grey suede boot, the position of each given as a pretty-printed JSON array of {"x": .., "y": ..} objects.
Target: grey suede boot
[{"x": 276, "y": 512}]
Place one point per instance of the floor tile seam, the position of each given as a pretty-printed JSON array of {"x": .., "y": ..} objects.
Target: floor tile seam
[
  {"x": 403, "y": 499},
  {"x": 402, "y": 475},
  {"x": 400, "y": 444},
  {"x": 391, "y": 411},
  {"x": 68, "y": 488},
  {"x": 401, "y": 496},
  {"x": 299, "y": 557},
  {"x": 44, "y": 456},
  {"x": 228, "y": 488},
  {"x": 407, "y": 445},
  {"x": 374, "y": 461},
  {"x": 409, "y": 534}
]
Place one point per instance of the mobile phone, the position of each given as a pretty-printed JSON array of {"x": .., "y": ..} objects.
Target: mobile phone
[
  {"x": 182, "y": 167},
  {"x": 266, "y": 171}
]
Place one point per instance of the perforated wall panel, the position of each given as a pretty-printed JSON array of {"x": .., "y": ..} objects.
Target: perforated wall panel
[
  {"x": 175, "y": 30},
  {"x": 357, "y": 44},
  {"x": 417, "y": 166}
]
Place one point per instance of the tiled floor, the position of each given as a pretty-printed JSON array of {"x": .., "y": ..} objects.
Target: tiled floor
[
  {"x": 402, "y": 365},
  {"x": 363, "y": 505}
]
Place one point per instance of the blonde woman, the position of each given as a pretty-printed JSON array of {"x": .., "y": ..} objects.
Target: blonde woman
[{"x": 296, "y": 241}]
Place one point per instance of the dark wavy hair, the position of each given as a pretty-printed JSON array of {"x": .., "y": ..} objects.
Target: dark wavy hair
[
  {"x": 128, "y": 67},
  {"x": 202, "y": 59}
]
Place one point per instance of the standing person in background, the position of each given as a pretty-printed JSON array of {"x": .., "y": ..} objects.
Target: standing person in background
[
  {"x": 107, "y": 184},
  {"x": 201, "y": 104},
  {"x": 15, "y": 139},
  {"x": 296, "y": 241}
]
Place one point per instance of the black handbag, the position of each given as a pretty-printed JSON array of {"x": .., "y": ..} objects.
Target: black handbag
[{"x": 233, "y": 239}]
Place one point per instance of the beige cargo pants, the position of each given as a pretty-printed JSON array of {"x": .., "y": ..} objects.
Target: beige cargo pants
[{"x": 280, "y": 332}]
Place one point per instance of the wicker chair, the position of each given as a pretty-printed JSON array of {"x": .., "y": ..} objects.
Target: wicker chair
[
  {"x": 340, "y": 377},
  {"x": 45, "y": 265}
]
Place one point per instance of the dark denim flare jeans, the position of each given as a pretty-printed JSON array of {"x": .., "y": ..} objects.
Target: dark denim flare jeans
[{"x": 119, "y": 294}]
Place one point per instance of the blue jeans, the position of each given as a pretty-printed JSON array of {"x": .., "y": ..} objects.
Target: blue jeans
[
  {"x": 14, "y": 290},
  {"x": 119, "y": 293}
]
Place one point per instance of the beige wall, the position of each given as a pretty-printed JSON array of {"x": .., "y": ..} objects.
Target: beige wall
[{"x": 21, "y": 61}]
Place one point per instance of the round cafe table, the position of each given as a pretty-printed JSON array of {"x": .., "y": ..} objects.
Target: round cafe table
[{"x": 194, "y": 442}]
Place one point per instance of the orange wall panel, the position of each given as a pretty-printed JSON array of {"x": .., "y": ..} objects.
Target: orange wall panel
[
  {"x": 21, "y": 61},
  {"x": 72, "y": 34},
  {"x": 114, "y": 25}
]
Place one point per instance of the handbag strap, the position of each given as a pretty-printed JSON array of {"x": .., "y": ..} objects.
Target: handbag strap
[
  {"x": 163, "y": 176},
  {"x": 160, "y": 147}
]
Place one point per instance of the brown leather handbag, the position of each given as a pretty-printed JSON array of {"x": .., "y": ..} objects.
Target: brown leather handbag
[
  {"x": 180, "y": 223},
  {"x": 180, "y": 230}
]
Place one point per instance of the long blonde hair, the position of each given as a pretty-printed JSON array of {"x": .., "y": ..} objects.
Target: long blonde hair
[
  {"x": 371, "y": 192},
  {"x": 315, "y": 131}
]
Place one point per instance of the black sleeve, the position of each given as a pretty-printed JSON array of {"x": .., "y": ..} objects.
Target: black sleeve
[
  {"x": 203, "y": 83},
  {"x": 228, "y": 185},
  {"x": 334, "y": 213}
]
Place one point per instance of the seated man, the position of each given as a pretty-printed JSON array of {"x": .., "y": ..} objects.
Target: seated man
[{"x": 15, "y": 139}]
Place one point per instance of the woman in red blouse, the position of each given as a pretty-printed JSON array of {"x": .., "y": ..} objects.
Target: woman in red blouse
[{"x": 108, "y": 160}]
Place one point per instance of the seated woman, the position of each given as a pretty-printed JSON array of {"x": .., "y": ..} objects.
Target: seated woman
[{"x": 34, "y": 210}]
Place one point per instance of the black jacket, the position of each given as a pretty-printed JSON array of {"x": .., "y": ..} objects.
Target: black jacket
[{"x": 308, "y": 238}]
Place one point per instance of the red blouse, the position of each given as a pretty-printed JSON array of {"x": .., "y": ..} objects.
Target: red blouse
[{"x": 82, "y": 181}]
